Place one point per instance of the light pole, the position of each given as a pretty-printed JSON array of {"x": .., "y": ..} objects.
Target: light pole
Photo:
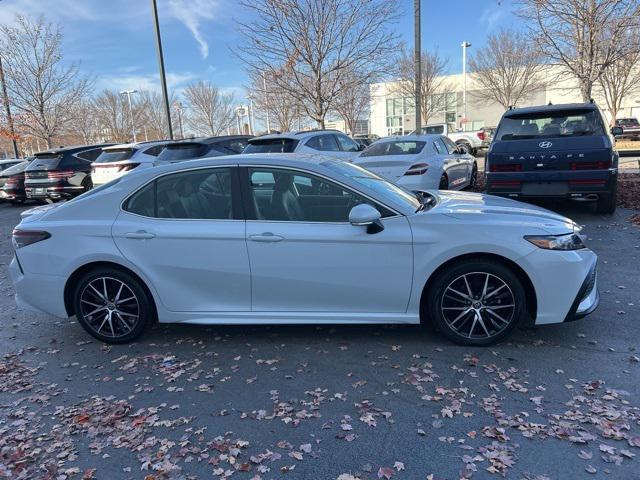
[
  {"x": 464, "y": 46},
  {"x": 133, "y": 123},
  {"x": 179, "y": 107},
  {"x": 252, "y": 126},
  {"x": 417, "y": 62},
  {"x": 163, "y": 80},
  {"x": 266, "y": 102}
]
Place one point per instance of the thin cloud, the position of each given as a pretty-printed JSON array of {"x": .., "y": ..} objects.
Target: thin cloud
[
  {"x": 492, "y": 15},
  {"x": 143, "y": 82},
  {"x": 192, "y": 13}
]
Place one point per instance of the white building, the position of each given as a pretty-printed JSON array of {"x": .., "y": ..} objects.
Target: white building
[{"x": 392, "y": 114}]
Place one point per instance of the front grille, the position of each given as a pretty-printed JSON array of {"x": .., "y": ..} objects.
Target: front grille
[{"x": 591, "y": 281}]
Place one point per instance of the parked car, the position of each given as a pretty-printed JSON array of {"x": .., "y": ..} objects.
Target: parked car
[
  {"x": 471, "y": 141},
  {"x": 12, "y": 182},
  {"x": 488, "y": 132},
  {"x": 421, "y": 162},
  {"x": 331, "y": 142},
  {"x": 117, "y": 160},
  {"x": 554, "y": 151},
  {"x": 61, "y": 173},
  {"x": 275, "y": 239},
  {"x": 8, "y": 163},
  {"x": 630, "y": 128},
  {"x": 365, "y": 139},
  {"x": 192, "y": 148}
]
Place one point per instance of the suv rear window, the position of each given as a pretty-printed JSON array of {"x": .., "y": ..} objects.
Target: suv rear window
[
  {"x": 114, "y": 155},
  {"x": 393, "y": 148},
  {"x": 272, "y": 145},
  {"x": 545, "y": 124},
  {"x": 180, "y": 151}
]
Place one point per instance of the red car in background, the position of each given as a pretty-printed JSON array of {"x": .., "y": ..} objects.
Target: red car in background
[{"x": 630, "y": 128}]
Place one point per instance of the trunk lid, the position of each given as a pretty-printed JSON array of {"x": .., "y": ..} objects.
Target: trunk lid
[{"x": 389, "y": 167}]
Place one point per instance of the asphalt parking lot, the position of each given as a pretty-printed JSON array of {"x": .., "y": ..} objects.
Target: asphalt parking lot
[{"x": 365, "y": 402}]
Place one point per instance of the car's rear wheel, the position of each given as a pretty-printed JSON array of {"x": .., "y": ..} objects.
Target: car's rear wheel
[
  {"x": 444, "y": 182},
  {"x": 607, "y": 202},
  {"x": 112, "y": 305},
  {"x": 476, "y": 302}
]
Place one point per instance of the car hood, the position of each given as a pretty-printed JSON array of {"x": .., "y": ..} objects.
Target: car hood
[{"x": 489, "y": 209}]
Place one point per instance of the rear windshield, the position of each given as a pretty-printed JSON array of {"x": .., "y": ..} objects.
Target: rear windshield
[
  {"x": 114, "y": 155},
  {"x": 433, "y": 130},
  {"x": 45, "y": 161},
  {"x": 19, "y": 168},
  {"x": 393, "y": 148},
  {"x": 272, "y": 145},
  {"x": 180, "y": 151},
  {"x": 563, "y": 123}
]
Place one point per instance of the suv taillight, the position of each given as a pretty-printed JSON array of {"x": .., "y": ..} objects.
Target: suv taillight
[
  {"x": 61, "y": 175},
  {"x": 481, "y": 135},
  {"x": 600, "y": 165},
  {"x": 508, "y": 167},
  {"x": 417, "y": 169},
  {"x": 22, "y": 238}
]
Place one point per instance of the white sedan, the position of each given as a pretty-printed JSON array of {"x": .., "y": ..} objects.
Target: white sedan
[
  {"x": 277, "y": 239},
  {"x": 421, "y": 162}
]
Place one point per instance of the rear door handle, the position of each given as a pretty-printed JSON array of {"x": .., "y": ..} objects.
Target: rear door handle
[
  {"x": 139, "y": 235},
  {"x": 266, "y": 237}
]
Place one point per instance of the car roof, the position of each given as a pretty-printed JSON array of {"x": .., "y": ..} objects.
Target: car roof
[
  {"x": 410, "y": 138},
  {"x": 301, "y": 135},
  {"x": 72, "y": 149},
  {"x": 550, "y": 108},
  {"x": 209, "y": 140},
  {"x": 150, "y": 143}
]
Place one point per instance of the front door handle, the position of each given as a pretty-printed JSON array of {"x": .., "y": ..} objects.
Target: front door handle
[
  {"x": 139, "y": 235},
  {"x": 266, "y": 237}
]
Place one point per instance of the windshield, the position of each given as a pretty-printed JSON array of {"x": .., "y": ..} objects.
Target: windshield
[
  {"x": 383, "y": 188},
  {"x": 399, "y": 147},
  {"x": 114, "y": 155},
  {"x": 563, "y": 123},
  {"x": 271, "y": 145},
  {"x": 180, "y": 151}
]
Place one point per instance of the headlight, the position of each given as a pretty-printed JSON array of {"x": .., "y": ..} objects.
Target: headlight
[{"x": 571, "y": 241}]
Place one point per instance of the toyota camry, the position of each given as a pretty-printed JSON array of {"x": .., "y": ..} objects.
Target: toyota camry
[{"x": 276, "y": 239}]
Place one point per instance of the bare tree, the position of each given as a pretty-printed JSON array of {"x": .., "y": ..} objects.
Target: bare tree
[
  {"x": 306, "y": 46},
  {"x": 82, "y": 123},
  {"x": 434, "y": 85},
  {"x": 621, "y": 79},
  {"x": 43, "y": 89},
  {"x": 352, "y": 101},
  {"x": 582, "y": 35},
  {"x": 509, "y": 69},
  {"x": 272, "y": 101},
  {"x": 153, "y": 120},
  {"x": 112, "y": 116},
  {"x": 211, "y": 112}
]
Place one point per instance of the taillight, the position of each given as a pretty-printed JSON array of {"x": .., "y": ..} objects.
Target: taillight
[
  {"x": 22, "y": 238},
  {"x": 480, "y": 135},
  {"x": 508, "y": 167},
  {"x": 62, "y": 174},
  {"x": 417, "y": 169},
  {"x": 11, "y": 182},
  {"x": 129, "y": 166},
  {"x": 600, "y": 165}
]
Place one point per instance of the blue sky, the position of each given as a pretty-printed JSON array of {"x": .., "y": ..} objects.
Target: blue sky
[{"x": 114, "y": 40}]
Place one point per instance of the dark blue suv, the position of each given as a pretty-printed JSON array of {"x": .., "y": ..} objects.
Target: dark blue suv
[{"x": 561, "y": 151}]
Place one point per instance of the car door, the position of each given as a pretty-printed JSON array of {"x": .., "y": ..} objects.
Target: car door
[
  {"x": 448, "y": 161},
  {"x": 186, "y": 233},
  {"x": 305, "y": 256},
  {"x": 458, "y": 165}
]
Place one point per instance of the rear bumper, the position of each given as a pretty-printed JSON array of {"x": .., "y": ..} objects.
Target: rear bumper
[
  {"x": 40, "y": 293},
  {"x": 552, "y": 184},
  {"x": 11, "y": 194},
  {"x": 56, "y": 192}
]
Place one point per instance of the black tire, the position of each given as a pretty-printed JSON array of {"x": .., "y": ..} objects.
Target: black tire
[
  {"x": 474, "y": 177},
  {"x": 115, "y": 329},
  {"x": 87, "y": 183},
  {"x": 607, "y": 203},
  {"x": 444, "y": 182},
  {"x": 466, "y": 146},
  {"x": 447, "y": 310}
]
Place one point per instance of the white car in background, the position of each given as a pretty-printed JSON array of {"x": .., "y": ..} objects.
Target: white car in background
[
  {"x": 420, "y": 162},
  {"x": 332, "y": 143},
  {"x": 117, "y": 160},
  {"x": 279, "y": 239}
]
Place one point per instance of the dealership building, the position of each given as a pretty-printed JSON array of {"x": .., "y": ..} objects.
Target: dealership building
[{"x": 391, "y": 113}]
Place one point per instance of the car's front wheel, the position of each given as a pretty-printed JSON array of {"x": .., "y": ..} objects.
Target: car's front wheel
[
  {"x": 476, "y": 302},
  {"x": 112, "y": 306}
]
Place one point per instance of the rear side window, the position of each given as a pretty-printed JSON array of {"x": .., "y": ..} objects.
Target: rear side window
[
  {"x": 272, "y": 145},
  {"x": 154, "y": 151},
  {"x": 142, "y": 202},
  {"x": 323, "y": 143},
  {"x": 89, "y": 155},
  {"x": 114, "y": 155},
  {"x": 181, "y": 151},
  {"x": 346, "y": 144},
  {"x": 393, "y": 148},
  {"x": 233, "y": 146},
  {"x": 545, "y": 124}
]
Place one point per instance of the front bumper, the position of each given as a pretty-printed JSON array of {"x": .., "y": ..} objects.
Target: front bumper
[{"x": 587, "y": 299}]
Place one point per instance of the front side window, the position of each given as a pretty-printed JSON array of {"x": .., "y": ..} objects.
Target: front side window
[
  {"x": 289, "y": 195},
  {"x": 451, "y": 147},
  {"x": 346, "y": 144},
  {"x": 323, "y": 143},
  {"x": 399, "y": 147},
  {"x": 203, "y": 194},
  {"x": 545, "y": 124}
]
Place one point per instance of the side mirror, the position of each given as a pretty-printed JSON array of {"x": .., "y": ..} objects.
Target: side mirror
[
  {"x": 616, "y": 131},
  {"x": 364, "y": 215}
]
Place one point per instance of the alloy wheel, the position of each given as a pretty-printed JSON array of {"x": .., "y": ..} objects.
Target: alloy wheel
[
  {"x": 109, "y": 307},
  {"x": 478, "y": 305}
]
